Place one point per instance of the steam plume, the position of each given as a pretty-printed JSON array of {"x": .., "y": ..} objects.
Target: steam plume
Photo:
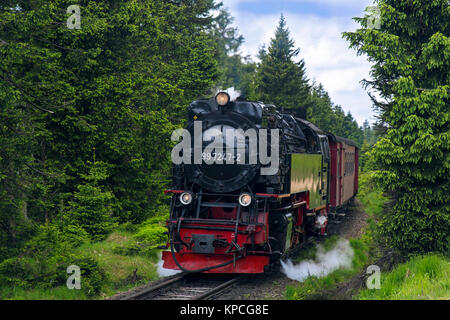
[
  {"x": 340, "y": 256},
  {"x": 163, "y": 272}
]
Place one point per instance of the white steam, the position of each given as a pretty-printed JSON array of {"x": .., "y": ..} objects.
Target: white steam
[
  {"x": 163, "y": 272},
  {"x": 234, "y": 94},
  {"x": 341, "y": 256}
]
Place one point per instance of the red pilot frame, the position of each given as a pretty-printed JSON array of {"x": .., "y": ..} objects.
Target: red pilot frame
[{"x": 228, "y": 240}]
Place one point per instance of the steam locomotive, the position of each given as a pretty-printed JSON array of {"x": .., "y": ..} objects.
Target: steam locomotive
[{"x": 251, "y": 183}]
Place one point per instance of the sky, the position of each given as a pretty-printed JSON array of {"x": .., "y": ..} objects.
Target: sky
[{"x": 316, "y": 27}]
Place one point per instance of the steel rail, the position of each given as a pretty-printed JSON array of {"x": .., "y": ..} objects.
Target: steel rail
[
  {"x": 217, "y": 289},
  {"x": 201, "y": 296},
  {"x": 154, "y": 288}
]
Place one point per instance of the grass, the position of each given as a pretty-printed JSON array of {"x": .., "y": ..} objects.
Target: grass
[
  {"x": 313, "y": 287},
  {"x": 371, "y": 197},
  {"x": 120, "y": 256},
  {"x": 373, "y": 202},
  {"x": 421, "y": 278},
  {"x": 58, "y": 293}
]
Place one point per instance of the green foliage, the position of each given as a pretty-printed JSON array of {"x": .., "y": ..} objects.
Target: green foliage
[
  {"x": 312, "y": 287},
  {"x": 370, "y": 134},
  {"x": 360, "y": 250},
  {"x": 44, "y": 264},
  {"x": 111, "y": 91},
  {"x": 74, "y": 234},
  {"x": 86, "y": 117},
  {"x": 105, "y": 270},
  {"x": 422, "y": 277},
  {"x": 152, "y": 231},
  {"x": 411, "y": 72},
  {"x": 234, "y": 70},
  {"x": 374, "y": 202},
  {"x": 91, "y": 207},
  {"x": 125, "y": 261},
  {"x": 58, "y": 293},
  {"x": 279, "y": 79},
  {"x": 331, "y": 118},
  {"x": 370, "y": 195}
]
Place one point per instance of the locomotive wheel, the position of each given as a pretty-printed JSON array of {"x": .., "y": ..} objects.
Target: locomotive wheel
[
  {"x": 278, "y": 224},
  {"x": 277, "y": 249}
]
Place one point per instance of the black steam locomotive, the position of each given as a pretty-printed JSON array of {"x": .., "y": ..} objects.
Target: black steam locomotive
[{"x": 249, "y": 184}]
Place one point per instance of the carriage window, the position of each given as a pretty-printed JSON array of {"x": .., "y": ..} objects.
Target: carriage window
[{"x": 349, "y": 164}]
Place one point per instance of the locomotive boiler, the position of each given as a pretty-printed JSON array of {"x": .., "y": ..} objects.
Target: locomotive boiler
[{"x": 251, "y": 183}]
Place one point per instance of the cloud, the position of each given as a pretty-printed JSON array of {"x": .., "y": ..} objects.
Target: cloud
[{"x": 328, "y": 58}]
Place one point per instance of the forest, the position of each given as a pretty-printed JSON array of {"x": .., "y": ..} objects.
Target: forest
[{"x": 86, "y": 116}]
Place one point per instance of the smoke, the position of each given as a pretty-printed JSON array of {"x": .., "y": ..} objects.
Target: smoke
[
  {"x": 234, "y": 94},
  {"x": 163, "y": 272},
  {"x": 341, "y": 256}
]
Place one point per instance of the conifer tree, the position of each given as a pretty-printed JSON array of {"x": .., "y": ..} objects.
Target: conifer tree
[
  {"x": 112, "y": 89},
  {"x": 410, "y": 53},
  {"x": 235, "y": 70},
  {"x": 280, "y": 79}
]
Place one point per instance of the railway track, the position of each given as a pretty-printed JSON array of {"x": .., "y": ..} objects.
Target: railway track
[
  {"x": 187, "y": 287},
  {"x": 205, "y": 286}
]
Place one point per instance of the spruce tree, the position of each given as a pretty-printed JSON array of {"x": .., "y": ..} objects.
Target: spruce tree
[
  {"x": 280, "y": 79},
  {"x": 235, "y": 70},
  {"x": 410, "y": 53},
  {"x": 112, "y": 89}
]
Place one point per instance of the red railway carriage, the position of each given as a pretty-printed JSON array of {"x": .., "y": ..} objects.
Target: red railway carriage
[
  {"x": 343, "y": 171},
  {"x": 232, "y": 218}
]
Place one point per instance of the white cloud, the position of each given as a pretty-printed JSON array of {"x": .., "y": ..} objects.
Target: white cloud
[{"x": 327, "y": 56}]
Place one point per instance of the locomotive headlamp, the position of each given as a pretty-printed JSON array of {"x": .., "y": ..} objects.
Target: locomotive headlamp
[
  {"x": 245, "y": 199},
  {"x": 186, "y": 198},
  {"x": 222, "y": 98}
]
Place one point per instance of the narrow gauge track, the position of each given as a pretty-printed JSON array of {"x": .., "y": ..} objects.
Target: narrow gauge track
[
  {"x": 200, "y": 286},
  {"x": 187, "y": 287}
]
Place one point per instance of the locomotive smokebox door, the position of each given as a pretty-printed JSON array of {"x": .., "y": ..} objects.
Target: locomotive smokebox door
[{"x": 203, "y": 243}]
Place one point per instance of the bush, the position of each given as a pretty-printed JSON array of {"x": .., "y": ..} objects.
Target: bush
[
  {"x": 152, "y": 231},
  {"x": 92, "y": 276},
  {"x": 91, "y": 206},
  {"x": 75, "y": 235},
  {"x": 90, "y": 209},
  {"x": 44, "y": 263}
]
